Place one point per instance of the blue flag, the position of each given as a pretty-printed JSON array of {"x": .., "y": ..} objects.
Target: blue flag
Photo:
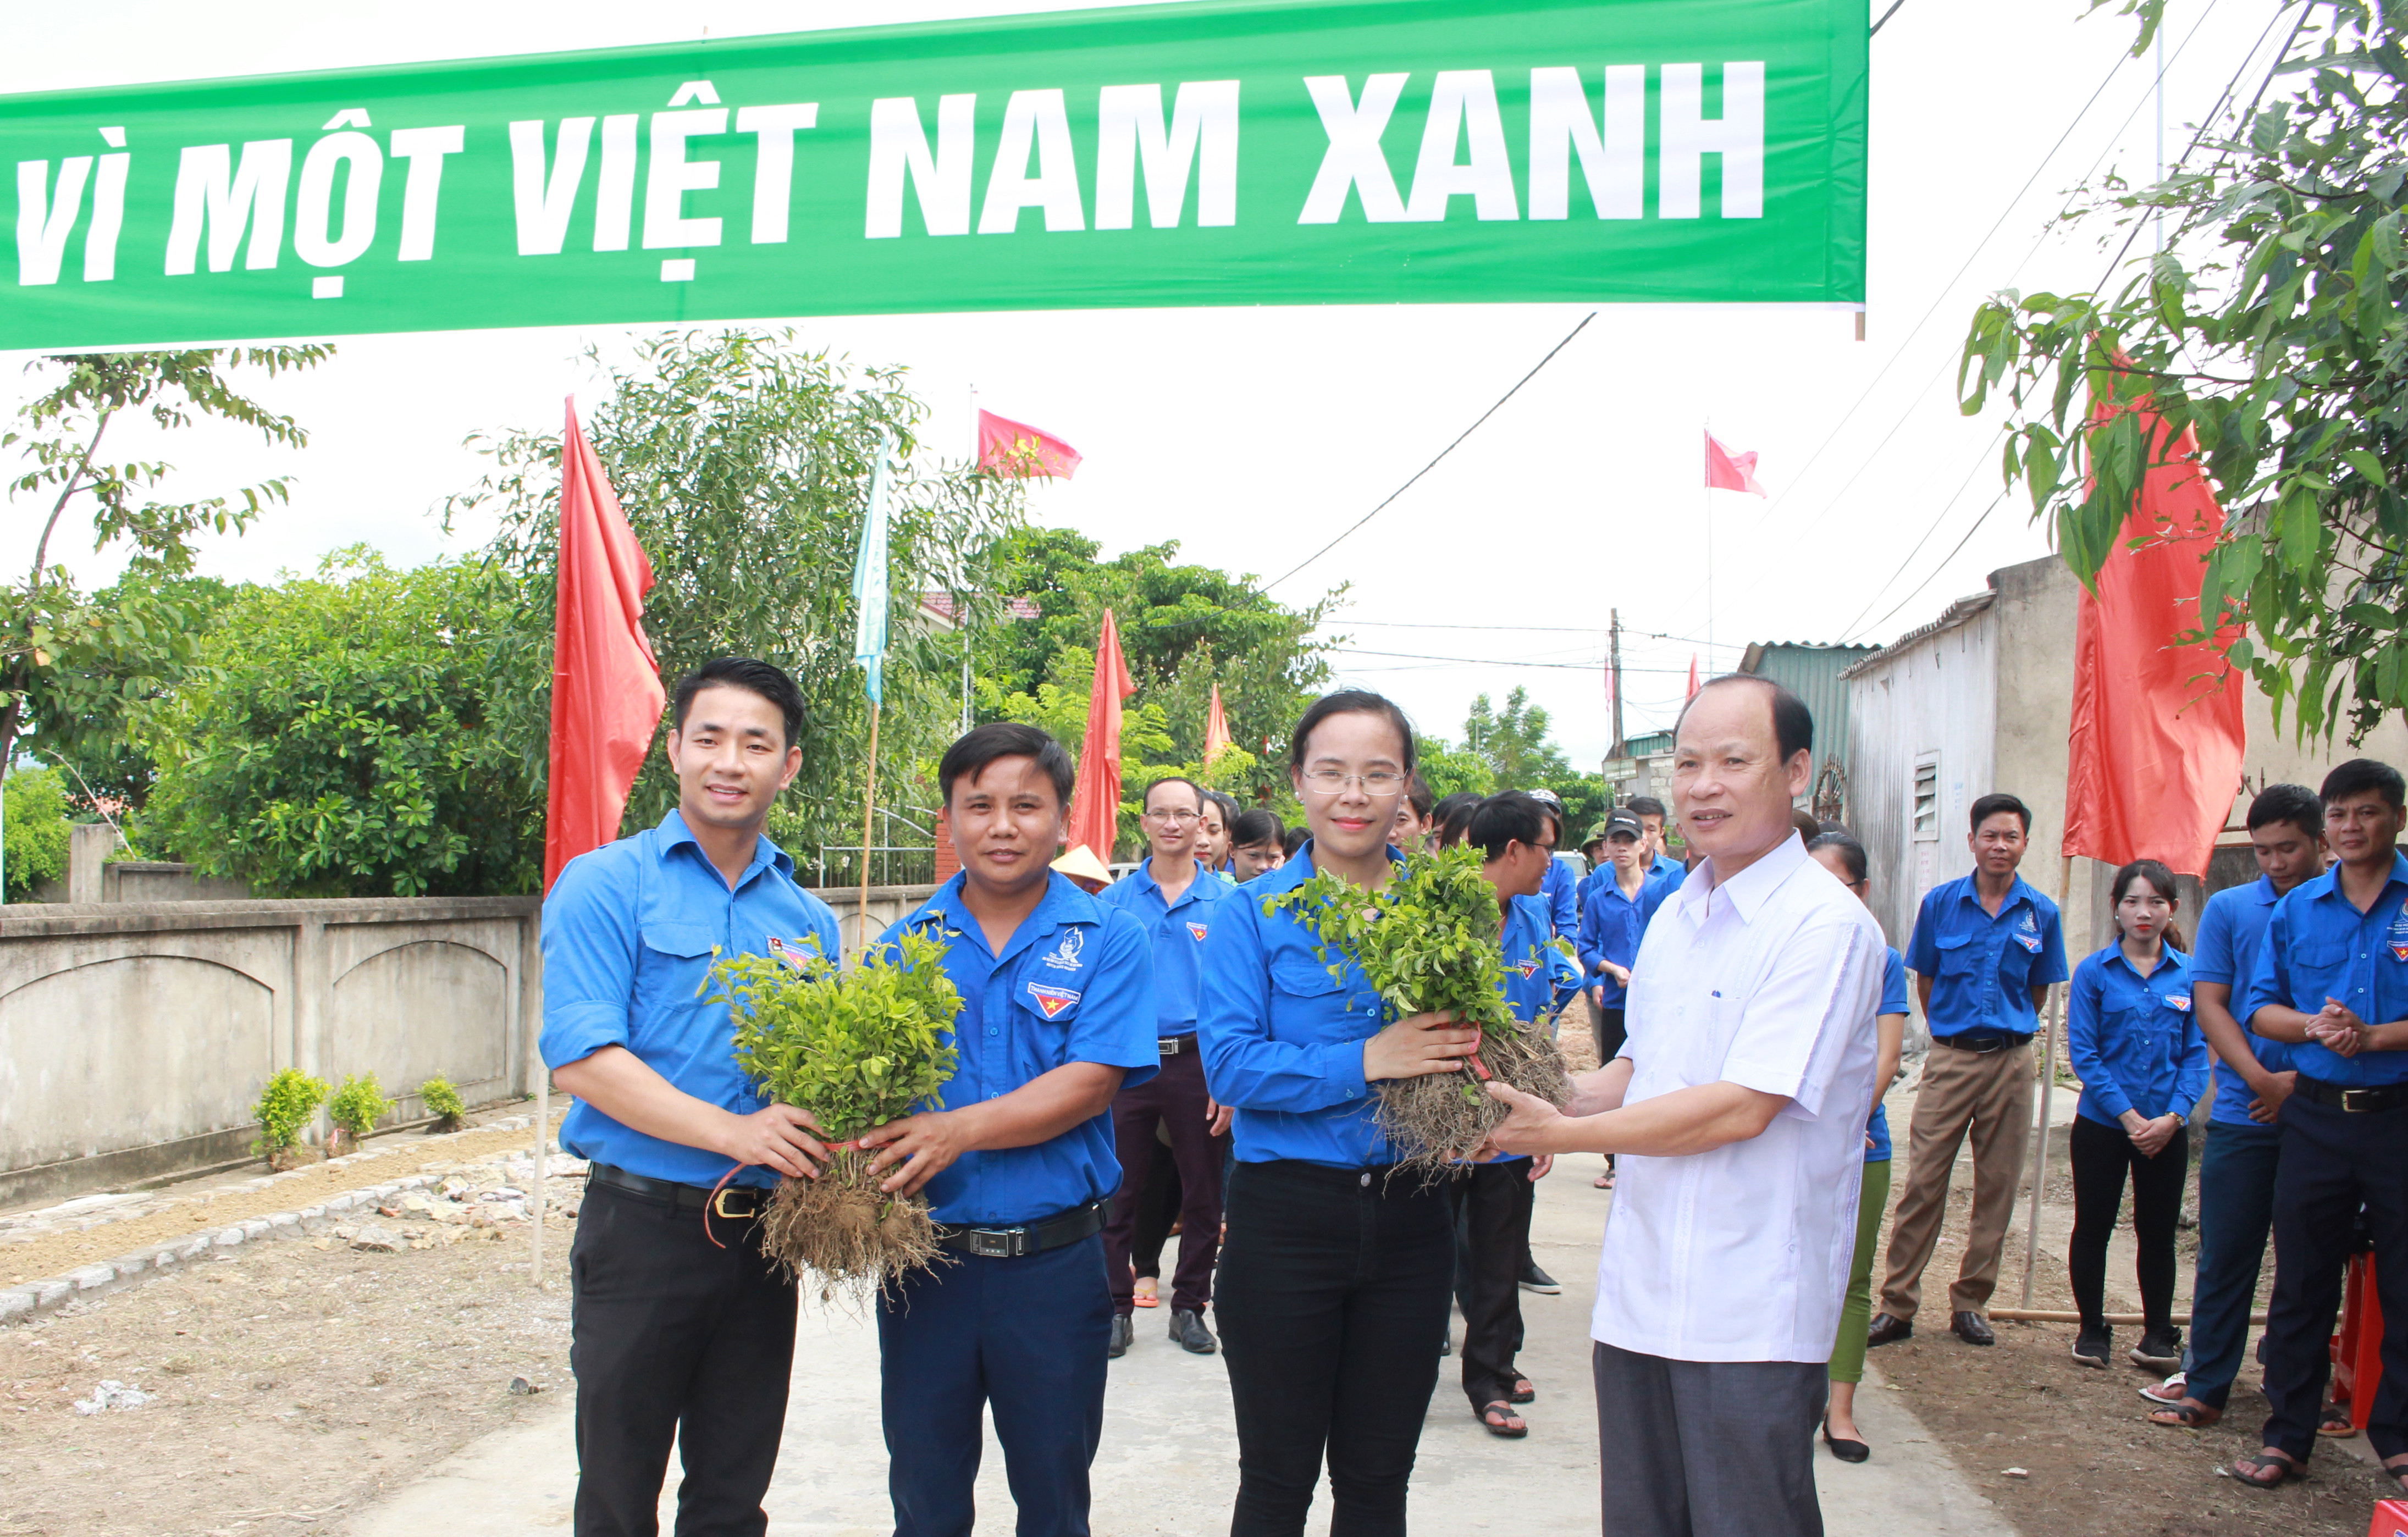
[{"x": 870, "y": 597}]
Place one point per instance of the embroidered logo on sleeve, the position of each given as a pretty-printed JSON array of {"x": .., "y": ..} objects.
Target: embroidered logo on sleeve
[
  {"x": 1196, "y": 930},
  {"x": 1064, "y": 955},
  {"x": 1050, "y": 1001}
]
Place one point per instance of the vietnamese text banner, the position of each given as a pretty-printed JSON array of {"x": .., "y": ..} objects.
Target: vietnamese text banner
[{"x": 1218, "y": 152}]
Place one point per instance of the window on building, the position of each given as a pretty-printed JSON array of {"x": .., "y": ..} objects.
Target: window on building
[{"x": 1927, "y": 799}]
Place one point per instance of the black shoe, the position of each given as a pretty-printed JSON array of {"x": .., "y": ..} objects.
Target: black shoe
[
  {"x": 1446, "y": 1344},
  {"x": 1124, "y": 1334},
  {"x": 1974, "y": 1329},
  {"x": 1845, "y": 1450},
  {"x": 2160, "y": 1348},
  {"x": 1187, "y": 1328},
  {"x": 2090, "y": 1347},
  {"x": 1887, "y": 1329},
  {"x": 1535, "y": 1279}
]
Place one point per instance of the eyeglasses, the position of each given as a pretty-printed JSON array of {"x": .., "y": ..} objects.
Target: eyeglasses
[
  {"x": 1175, "y": 817},
  {"x": 1329, "y": 781}
]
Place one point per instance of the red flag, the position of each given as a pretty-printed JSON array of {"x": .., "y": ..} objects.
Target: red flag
[
  {"x": 1728, "y": 471},
  {"x": 606, "y": 687},
  {"x": 1216, "y": 731},
  {"x": 1016, "y": 449},
  {"x": 1095, "y": 798},
  {"x": 1693, "y": 676},
  {"x": 2153, "y": 759}
]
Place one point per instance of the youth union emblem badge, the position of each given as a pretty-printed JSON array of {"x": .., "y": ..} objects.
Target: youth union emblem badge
[
  {"x": 1065, "y": 956},
  {"x": 1050, "y": 1001},
  {"x": 1196, "y": 930}
]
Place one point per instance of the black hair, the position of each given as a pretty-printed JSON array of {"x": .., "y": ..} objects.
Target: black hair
[
  {"x": 1228, "y": 805},
  {"x": 1452, "y": 816},
  {"x": 2293, "y": 804},
  {"x": 1253, "y": 828},
  {"x": 1996, "y": 801},
  {"x": 1803, "y": 820},
  {"x": 1793, "y": 724},
  {"x": 1509, "y": 817},
  {"x": 1349, "y": 701},
  {"x": 753, "y": 677},
  {"x": 1419, "y": 795},
  {"x": 1169, "y": 779},
  {"x": 1645, "y": 805},
  {"x": 981, "y": 745},
  {"x": 1293, "y": 839},
  {"x": 1852, "y": 853},
  {"x": 2161, "y": 881},
  {"x": 2361, "y": 775}
]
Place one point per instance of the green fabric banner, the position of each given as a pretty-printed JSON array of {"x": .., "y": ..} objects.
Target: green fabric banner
[{"x": 1223, "y": 153}]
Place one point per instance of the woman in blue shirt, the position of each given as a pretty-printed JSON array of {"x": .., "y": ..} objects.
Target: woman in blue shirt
[
  {"x": 2143, "y": 1063},
  {"x": 1332, "y": 1294}
]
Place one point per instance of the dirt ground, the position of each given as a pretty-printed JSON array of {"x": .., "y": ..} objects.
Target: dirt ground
[{"x": 291, "y": 1385}]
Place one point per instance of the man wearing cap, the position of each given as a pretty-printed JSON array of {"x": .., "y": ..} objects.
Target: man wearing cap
[
  {"x": 1657, "y": 860},
  {"x": 1172, "y": 896}
]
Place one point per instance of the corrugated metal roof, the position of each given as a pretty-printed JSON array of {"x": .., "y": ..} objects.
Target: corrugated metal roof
[
  {"x": 1955, "y": 614},
  {"x": 1812, "y": 670}
]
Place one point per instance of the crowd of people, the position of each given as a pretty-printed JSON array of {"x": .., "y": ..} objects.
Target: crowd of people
[{"x": 1172, "y": 1054}]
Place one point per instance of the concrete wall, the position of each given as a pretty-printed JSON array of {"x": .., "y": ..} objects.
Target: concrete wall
[
  {"x": 134, "y": 1037},
  {"x": 886, "y": 905}
]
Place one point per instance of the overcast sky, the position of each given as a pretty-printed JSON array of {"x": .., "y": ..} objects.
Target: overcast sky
[{"x": 1252, "y": 435}]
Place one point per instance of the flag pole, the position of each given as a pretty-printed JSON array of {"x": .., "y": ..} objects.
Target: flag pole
[
  {"x": 869, "y": 799},
  {"x": 2047, "y": 1090},
  {"x": 1706, "y": 494}
]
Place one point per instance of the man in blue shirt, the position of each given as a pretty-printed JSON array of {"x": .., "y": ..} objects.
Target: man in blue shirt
[
  {"x": 2331, "y": 979},
  {"x": 2236, "y": 1172},
  {"x": 1017, "y": 1163},
  {"x": 1556, "y": 883},
  {"x": 1987, "y": 947},
  {"x": 682, "y": 1330},
  {"x": 1659, "y": 859},
  {"x": 1172, "y": 897}
]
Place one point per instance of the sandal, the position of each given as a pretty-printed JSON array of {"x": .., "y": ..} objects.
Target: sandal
[
  {"x": 2398, "y": 1473},
  {"x": 2189, "y": 1415},
  {"x": 2335, "y": 1421},
  {"x": 2253, "y": 1471},
  {"x": 1499, "y": 1420},
  {"x": 1604, "y": 1181},
  {"x": 1523, "y": 1390},
  {"x": 1144, "y": 1297}
]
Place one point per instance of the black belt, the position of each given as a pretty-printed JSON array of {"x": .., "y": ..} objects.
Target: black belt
[
  {"x": 2354, "y": 1098},
  {"x": 736, "y": 1202},
  {"x": 1171, "y": 1045},
  {"x": 1981, "y": 1043},
  {"x": 1070, "y": 1227}
]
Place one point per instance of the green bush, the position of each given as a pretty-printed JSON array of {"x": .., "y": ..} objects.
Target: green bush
[
  {"x": 358, "y": 1105},
  {"x": 34, "y": 847},
  {"x": 442, "y": 1100},
  {"x": 286, "y": 1106}
]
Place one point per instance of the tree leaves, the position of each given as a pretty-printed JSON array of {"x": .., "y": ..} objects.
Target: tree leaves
[{"x": 857, "y": 1048}]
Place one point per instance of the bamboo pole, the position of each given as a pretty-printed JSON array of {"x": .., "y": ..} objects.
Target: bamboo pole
[
  {"x": 542, "y": 1166},
  {"x": 869, "y": 799},
  {"x": 2047, "y": 1092}
]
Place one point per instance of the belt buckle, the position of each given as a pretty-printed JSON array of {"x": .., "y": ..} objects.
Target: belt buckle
[
  {"x": 719, "y": 1204},
  {"x": 995, "y": 1242},
  {"x": 2349, "y": 1098},
  {"x": 1168, "y": 1045}
]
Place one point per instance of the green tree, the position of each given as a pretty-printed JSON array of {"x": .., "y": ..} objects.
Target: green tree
[
  {"x": 338, "y": 737},
  {"x": 2273, "y": 327},
  {"x": 1517, "y": 747},
  {"x": 1449, "y": 769},
  {"x": 153, "y": 627},
  {"x": 742, "y": 463},
  {"x": 69, "y": 663},
  {"x": 34, "y": 846}
]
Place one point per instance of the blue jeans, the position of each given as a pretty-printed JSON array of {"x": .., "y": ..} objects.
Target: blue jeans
[
  {"x": 2236, "y": 1206},
  {"x": 1025, "y": 1336}
]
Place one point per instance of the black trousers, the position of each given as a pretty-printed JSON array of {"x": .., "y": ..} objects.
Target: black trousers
[
  {"x": 1332, "y": 1301},
  {"x": 2101, "y": 1156},
  {"x": 1493, "y": 1227},
  {"x": 674, "y": 1338},
  {"x": 2333, "y": 1162}
]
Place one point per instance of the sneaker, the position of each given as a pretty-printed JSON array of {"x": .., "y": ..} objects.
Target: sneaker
[
  {"x": 1535, "y": 1279},
  {"x": 1124, "y": 1334},
  {"x": 2090, "y": 1347},
  {"x": 2159, "y": 1349}
]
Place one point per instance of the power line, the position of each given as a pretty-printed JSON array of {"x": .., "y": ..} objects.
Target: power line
[{"x": 1441, "y": 454}]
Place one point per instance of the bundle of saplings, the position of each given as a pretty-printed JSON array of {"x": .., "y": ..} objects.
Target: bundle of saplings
[
  {"x": 857, "y": 1049},
  {"x": 1427, "y": 941}
]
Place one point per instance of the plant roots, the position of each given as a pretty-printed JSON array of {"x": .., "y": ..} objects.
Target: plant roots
[
  {"x": 1440, "y": 1120},
  {"x": 841, "y": 1229}
]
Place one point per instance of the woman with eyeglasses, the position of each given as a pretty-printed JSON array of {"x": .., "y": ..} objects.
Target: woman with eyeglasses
[{"x": 1334, "y": 1281}]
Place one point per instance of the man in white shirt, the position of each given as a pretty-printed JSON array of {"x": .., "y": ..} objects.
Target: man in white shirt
[{"x": 1737, "y": 1108}]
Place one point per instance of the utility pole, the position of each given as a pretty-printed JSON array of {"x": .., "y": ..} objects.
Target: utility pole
[{"x": 1614, "y": 644}]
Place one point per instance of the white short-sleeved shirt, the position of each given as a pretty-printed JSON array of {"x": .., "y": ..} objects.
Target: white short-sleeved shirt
[{"x": 1769, "y": 981}]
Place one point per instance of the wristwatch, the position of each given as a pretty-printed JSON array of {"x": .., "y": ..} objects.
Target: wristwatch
[{"x": 2181, "y": 1120}]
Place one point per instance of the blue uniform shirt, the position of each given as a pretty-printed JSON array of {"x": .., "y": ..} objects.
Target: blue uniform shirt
[
  {"x": 1556, "y": 889},
  {"x": 1536, "y": 972},
  {"x": 1982, "y": 969},
  {"x": 1177, "y": 930},
  {"x": 1893, "y": 1001},
  {"x": 1074, "y": 984},
  {"x": 1668, "y": 869},
  {"x": 2318, "y": 946},
  {"x": 1611, "y": 925},
  {"x": 2133, "y": 1040},
  {"x": 2229, "y": 929},
  {"x": 628, "y": 933},
  {"x": 1283, "y": 1039}
]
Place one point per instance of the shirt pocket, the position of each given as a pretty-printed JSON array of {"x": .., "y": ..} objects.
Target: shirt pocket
[
  {"x": 1307, "y": 1004},
  {"x": 1039, "y": 1021},
  {"x": 673, "y": 972},
  {"x": 2319, "y": 968},
  {"x": 1958, "y": 956}
]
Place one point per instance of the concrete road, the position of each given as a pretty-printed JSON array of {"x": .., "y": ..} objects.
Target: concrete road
[{"x": 1168, "y": 1464}]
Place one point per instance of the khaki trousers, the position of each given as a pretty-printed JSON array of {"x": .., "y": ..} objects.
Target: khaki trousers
[{"x": 1989, "y": 1094}]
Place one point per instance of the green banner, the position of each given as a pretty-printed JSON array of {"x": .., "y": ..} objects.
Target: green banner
[{"x": 1335, "y": 152}]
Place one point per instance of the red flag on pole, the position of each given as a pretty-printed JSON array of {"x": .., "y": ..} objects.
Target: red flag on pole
[
  {"x": 2154, "y": 760},
  {"x": 606, "y": 687},
  {"x": 1216, "y": 731},
  {"x": 1096, "y": 798},
  {"x": 1017, "y": 448},
  {"x": 1728, "y": 471},
  {"x": 1693, "y": 676}
]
